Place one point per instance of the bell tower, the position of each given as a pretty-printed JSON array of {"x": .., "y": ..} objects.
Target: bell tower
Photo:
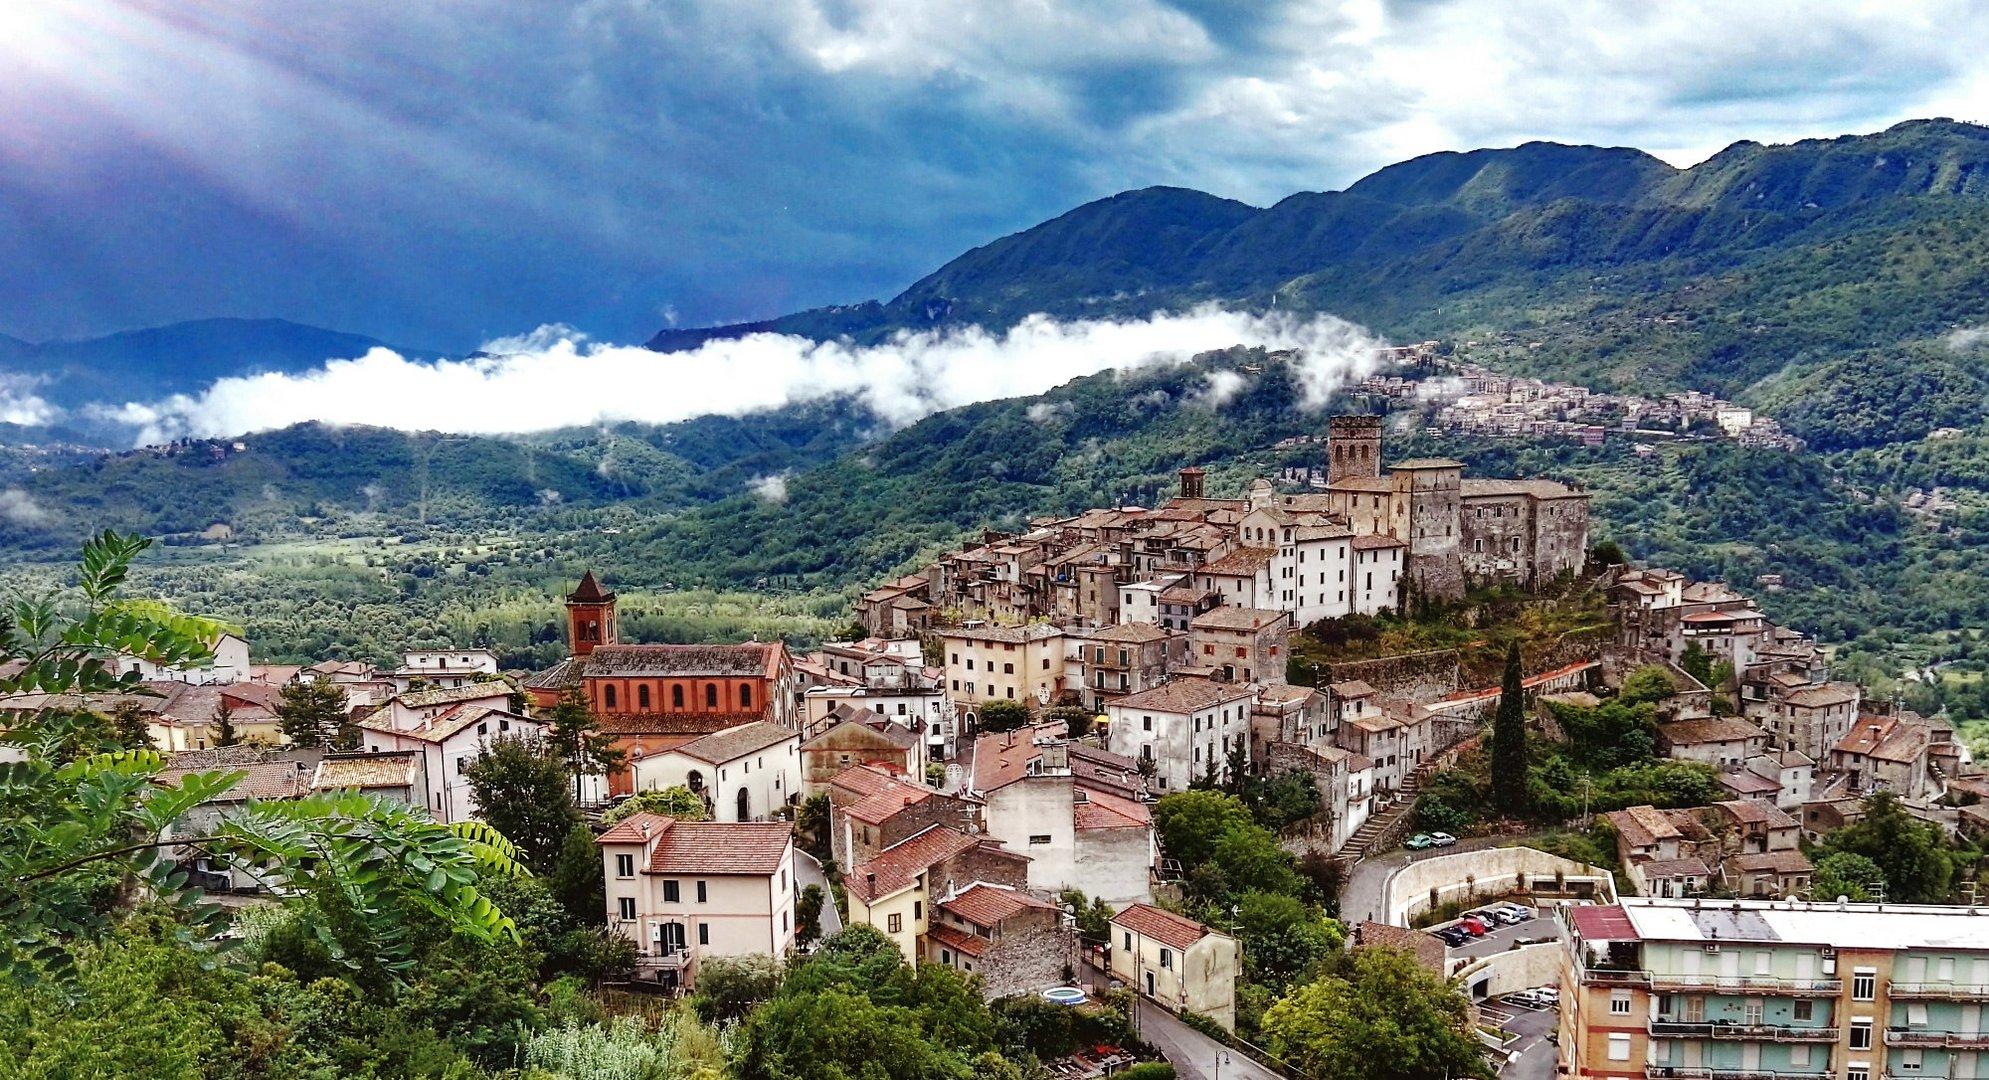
[
  {"x": 590, "y": 616},
  {"x": 1353, "y": 448}
]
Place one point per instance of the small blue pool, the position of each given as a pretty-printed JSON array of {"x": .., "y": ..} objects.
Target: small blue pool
[{"x": 1064, "y": 995}]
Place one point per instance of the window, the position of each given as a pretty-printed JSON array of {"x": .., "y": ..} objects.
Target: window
[
  {"x": 745, "y": 695},
  {"x": 1946, "y": 969},
  {"x": 1129, "y": 941},
  {"x": 701, "y": 892},
  {"x": 704, "y": 931},
  {"x": 1799, "y": 1054},
  {"x": 1916, "y": 1014},
  {"x": 670, "y": 892},
  {"x": 1803, "y": 1009},
  {"x": 1909, "y": 1060},
  {"x": 1619, "y": 1003},
  {"x": 677, "y": 697},
  {"x": 711, "y": 695},
  {"x": 1858, "y": 1072},
  {"x": 1167, "y": 958},
  {"x": 896, "y": 923},
  {"x": 1037, "y": 839},
  {"x": 608, "y": 696},
  {"x": 642, "y": 696},
  {"x": 1619, "y": 1047},
  {"x": 1008, "y": 669},
  {"x": 1864, "y": 984},
  {"x": 1861, "y": 1033},
  {"x": 624, "y": 865},
  {"x": 625, "y": 907},
  {"x": 918, "y": 910}
]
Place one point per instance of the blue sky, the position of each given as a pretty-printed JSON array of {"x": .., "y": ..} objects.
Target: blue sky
[{"x": 440, "y": 174}]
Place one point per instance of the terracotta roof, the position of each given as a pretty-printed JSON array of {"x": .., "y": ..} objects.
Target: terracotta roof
[
  {"x": 394, "y": 768},
  {"x": 750, "y": 660},
  {"x": 1887, "y": 738},
  {"x": 1243, "y": 562},
  {"x": 1668, "y": 868},
  {"x": 673, "y": 723},
  {"x": 735, "y": 743},
  {"x": 1238, "y": 618},
  {"x": 446, "y": 723},
  {"x": 895, "y": 735},
  {"x": 898, "y": 866},
  {"x": 589, "y": 591},
  {"x": 863, "y": 780},
  {"x": 1012, "y": 634},
  {"x": 1642, "y": 826},
  {"x": 1181, "y": 696},
  {"x": 560, "y": 676},
  {"x": 753, "y": 848},
  {"x": 446, "y": 695},
  {"x": 887, "y": 799},
  {"x": 1492, "y": 488},
  {"x": 1748, "y": 783},
  {"x": 1780, "y": 862},
  {"x": 1162, "y": 926},
  {"x": 957, "y": 940},
  {"x": 1427, "y": 463},
  {"x": 1134, "y": 633},
  {"x": 273, "y": 775},
  {"x": 1351, "y": 688},
  {"x": 988, "y": 905},
  {"x": 1751, "y": 812},
  {"x": 1814, "y": 697},
  {"x": 1374, "y": 541},
  {"x": 1103, "y": 810},
  {"x": 1708, "y": 729}
]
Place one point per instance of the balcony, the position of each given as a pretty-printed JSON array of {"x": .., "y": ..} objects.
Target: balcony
[
  {"x": 1678, "y": 1029},
  {"x": 1595, "y": 976},
  {"x": 1937, "y": 1040},
  {"x": 1696, "y": 1072},
  {"x": 667, "y": 960},
  {"x": 1746, "y": 984},
  {"x": 1938, "y": 991}
]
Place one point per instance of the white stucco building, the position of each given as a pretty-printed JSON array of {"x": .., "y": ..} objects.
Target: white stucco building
[
  {"x": 1184, "y": 727},
  {"x": 688, "y": 891},
  {"x": 744, "y": 773}
]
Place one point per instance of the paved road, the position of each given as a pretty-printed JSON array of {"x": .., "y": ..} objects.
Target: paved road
[
  {"x": 1194, "y": 1055},
  {"x": 809, "y": 872},
  {"x": 1364, "y": 893},
  {"x": 1535, "y": 1056},
  {"x": 1498, "y": 941}
]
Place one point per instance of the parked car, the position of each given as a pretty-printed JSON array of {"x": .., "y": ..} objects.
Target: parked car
[
  {"x": 1453, "y": 936},
  {"x": 1509, "y": 916},
  {"x": 1418, "y": 842},
  {"x": 1442, "y": 839},
  {"x": 1473, "y": 924}
]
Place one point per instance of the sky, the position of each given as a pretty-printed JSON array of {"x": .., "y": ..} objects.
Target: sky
[{"x": 441, "y": 174}]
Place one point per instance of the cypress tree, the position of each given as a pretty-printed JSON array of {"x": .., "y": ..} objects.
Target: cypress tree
[{"x": 1509, "y": 741}]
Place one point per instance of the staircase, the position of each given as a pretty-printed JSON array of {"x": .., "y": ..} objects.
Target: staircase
[{"x": 1382, "y": 829}]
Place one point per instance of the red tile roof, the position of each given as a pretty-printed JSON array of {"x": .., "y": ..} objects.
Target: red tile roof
[
  {"x": 898, "y": 866},
  {"x": 755, "y": 848},
  {"x": 1103, "y": 810},
  {"x": 629, "y": 830},
  {"x": 1162, "y": 926},
  {"x": 958, "y": 940},
  {"x": 987, "y": 905}
]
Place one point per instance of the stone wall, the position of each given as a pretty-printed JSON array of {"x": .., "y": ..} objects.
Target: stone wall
[
  {"x": 1488, "y": 873},
  {"x": 1027, "y": 958},
  {"x": 1538, "y": 964},
  {"x": 1421, "y": 677}
]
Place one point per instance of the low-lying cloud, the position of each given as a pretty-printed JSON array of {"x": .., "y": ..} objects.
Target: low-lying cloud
[{"x": 555, "y": 378}]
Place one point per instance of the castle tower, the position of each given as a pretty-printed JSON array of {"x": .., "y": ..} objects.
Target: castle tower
[
  {"x": 1191, "y": 482},
  {"x": 1429, "y": 509},
  {"x": 1353, "y": 448},
  {"x": 590, "y": 616}
]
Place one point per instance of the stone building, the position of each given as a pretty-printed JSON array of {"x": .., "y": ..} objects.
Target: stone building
[
  {"x": 1013, "y": 941},
  {"x": 1241, "y": 644}
]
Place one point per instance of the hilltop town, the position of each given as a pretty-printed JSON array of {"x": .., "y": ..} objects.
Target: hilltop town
[{"x": 994, "y": 777}]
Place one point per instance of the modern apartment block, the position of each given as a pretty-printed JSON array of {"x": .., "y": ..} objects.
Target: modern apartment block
[{"x": 1773, "y": 990}]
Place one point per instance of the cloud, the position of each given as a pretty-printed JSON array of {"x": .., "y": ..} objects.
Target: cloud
[
  {"x": 19, "y": 404},
  {"x": 742, "y": 160},
  {"x": 771, "y": 489},
  {"x": 1048, "y": 412},
  {"x": 1966, "y": 338},
  {"x": 20, "y": 508},
  {"x": 552, "y": 379},
  {"x": 1217, "y": 391}
]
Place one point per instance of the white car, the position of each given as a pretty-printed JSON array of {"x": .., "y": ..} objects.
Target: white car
[{"x": 1442, "y": 839}]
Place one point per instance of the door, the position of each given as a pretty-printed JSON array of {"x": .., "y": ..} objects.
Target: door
[
  {"x": 672, "y": 940},
  {"x": 745, "y": 806},
  {"x": 1149, "y": 984}
]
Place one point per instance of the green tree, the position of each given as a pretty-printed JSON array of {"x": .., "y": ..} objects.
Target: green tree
[
  {"x": 1912, "y": 860},
  {"x": 729, "y": 987},
  {"x": 1697, "y": 663},
  {"x": 1190, "y": 823},
  {"x": 520, "y": 787},
  {"x": 811, "y": 826},
  {"x": 808, "y": 915},
  {"x": 75, "y": 833},
  {"x": 221, "y": 726},
  {"x": 1842, "y": 873},
  {"x": 1283, "y": 939},
  {"x": 1650, "y": 683},
  {"x": 129, "y": 728},
  {"x": 314, "y": 714},
  {"x": 1386, "y": 1019},
  {"x": 676, "y": 801},
  {"x": 1093, "y": 917},
  {"x": 1000, "y": 716},
  {"x": 575, "y": 735},
  {"x": 576, "y": 878},
  {"x": 1508, "y": 756}
]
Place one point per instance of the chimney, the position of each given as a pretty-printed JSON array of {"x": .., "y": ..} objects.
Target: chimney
[
  {"x": 1191, "y": 482},
  {"x": 870, "y": 884}
]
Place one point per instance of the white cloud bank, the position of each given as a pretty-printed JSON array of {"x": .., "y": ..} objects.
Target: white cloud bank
[{"x": 554, "y": 378}]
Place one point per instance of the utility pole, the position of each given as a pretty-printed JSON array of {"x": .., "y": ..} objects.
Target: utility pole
[{"x": 1585, "y": 790}]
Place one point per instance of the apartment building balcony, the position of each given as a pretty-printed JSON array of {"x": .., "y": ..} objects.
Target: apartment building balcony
[
  {"x": 1698, "y": 1072},
  {"x": 1716, "y": 1029},
  {"x": 1938, "y": 991},
  {"x": 666, "y": 960},
  {"x": 1746, "y": 984},
  {"x": 1599, "y": 976},
  {"x": 1937, "y": 1040}
]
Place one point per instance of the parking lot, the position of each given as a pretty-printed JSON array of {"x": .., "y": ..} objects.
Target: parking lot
[
  {"x": 1497, "y": 939},
  {"x": 1532, "y": 1055}
]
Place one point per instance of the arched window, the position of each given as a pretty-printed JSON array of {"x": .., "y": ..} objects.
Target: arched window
[
  {"x": 642, "y": 696},
  {"x": 711, "y": 695},
  {"x": 677, "y": 697},
  {"x": 608, "y": 696},
  {"x": 745, "y": 695}
]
